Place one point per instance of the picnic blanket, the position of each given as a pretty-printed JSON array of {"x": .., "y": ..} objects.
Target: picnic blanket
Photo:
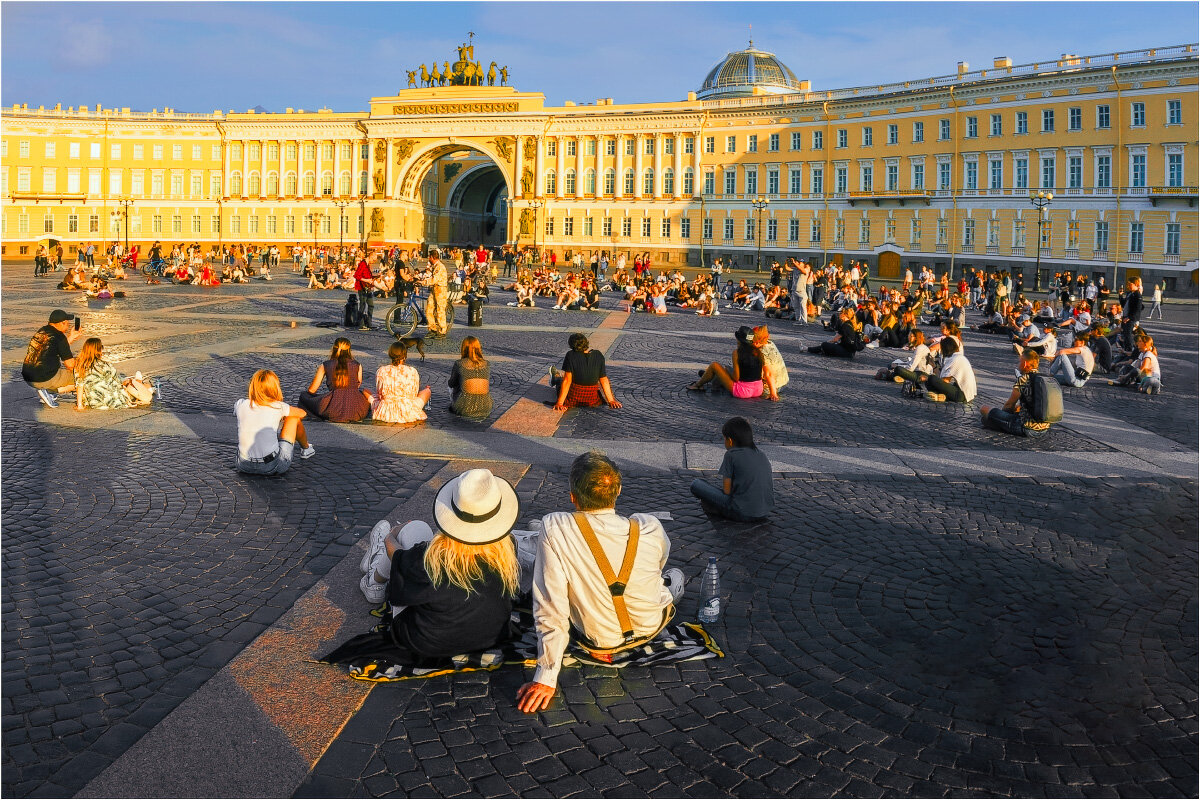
[{"x": 368, "y": 660}]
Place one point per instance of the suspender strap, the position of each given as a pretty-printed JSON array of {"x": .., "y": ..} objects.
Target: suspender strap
[{"x": 616, "y": 583}]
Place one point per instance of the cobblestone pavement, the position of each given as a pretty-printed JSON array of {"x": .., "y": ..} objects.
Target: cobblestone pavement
[{"x": 955, "y": 634}]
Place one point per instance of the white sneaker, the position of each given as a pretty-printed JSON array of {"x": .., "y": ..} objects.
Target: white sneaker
[
  {"x": 308, "y": 452},
  {"x": 375, "y": 593},
  {"x": 47, "y": 398},
  {"x": 374, "y": 543},
  {"x": 716, "y": 313},
  {"x": 138, "y": 375},
  {"x": 873, "y": 345},
  {"x": 514, "y": 305},
  {"x": 674, "y": 580}
]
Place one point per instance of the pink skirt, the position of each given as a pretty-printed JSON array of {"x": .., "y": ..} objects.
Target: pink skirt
[{"x": 745, "y": 390}]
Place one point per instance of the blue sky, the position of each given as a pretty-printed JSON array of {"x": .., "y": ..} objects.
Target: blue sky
[{"x": 206, "y": 56}]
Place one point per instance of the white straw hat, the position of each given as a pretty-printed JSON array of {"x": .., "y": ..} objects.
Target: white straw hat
[{"x": 476, "y": 508}]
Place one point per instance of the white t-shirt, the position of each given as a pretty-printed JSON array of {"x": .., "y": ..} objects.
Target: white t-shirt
[
  {"x": 920, "y": 361},
  {"x": 1149, "y": 356},
  {"x": 258, "y": 427},
  {"x": 959, "y": 368},
  {"x": 1085, "y": 360}
]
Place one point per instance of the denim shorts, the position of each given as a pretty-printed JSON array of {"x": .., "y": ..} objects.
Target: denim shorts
[{"x": 276, "y": 466}]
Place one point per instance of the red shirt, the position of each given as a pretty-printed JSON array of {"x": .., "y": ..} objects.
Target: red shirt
[
  {"x": 481, "y": 256},
  {"x": 363, "y": 273}
]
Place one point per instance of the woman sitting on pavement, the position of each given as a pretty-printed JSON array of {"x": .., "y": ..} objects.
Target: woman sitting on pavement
[
  {"x": 896, "y": 335},
  {"x": 397, "y": 385},
  {"x": 583, "y": 380},
  {"x": 100, "y": 386},
  {"x": 345, "y": 400},
  {"x": 772, "y": 360},
  {"x": 1075, "y": 373},
  {"x": 956, "y": 381},
  {"x": 1144, "y": 371},
  {"x": 748, "y": 378},
  {"x": 1015, "y": 416},
  {"x": 845, "y": 343},
  {"x": 268, "y": 428},
  {"x": 469, "y": 382},
  {"x": 920, "y": 362}
]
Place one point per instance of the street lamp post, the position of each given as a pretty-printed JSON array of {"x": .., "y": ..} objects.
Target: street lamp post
[
  {"x": 536, "y": 205},
  {"x": 341, "y": 207},
  {"x": 315, "y": 216},
  {"x": 124, "y": 213},
  {"x": 759, "y": 204},
  {"x": 1040, "y": 201}
]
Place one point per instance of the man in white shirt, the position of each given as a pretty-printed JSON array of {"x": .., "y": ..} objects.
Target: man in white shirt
[{"x": 570, "y": 589}]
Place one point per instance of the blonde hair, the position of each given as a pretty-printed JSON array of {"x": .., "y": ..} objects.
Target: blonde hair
[
  {"x": 264, "y": 388},
  {"x": 89, "y": 354},
  {"x": 462, "y": 565}
]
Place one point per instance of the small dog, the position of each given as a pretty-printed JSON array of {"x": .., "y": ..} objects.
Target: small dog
[{"x": 415, "y": 341}]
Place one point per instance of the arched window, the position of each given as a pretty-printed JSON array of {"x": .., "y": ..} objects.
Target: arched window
[
  {"x": 310, "y": 184},
  {"x": 610, "y": 181},
  {"x": 668, "y": 181},
  {"x": 630, "y": 179},
  {"x": 344, "y": 183},
  {"x": 327, "y": 183},
  {"x": 235, "y": 183},
  {"x": 289, "y": 184},
  {"x": 589, "y": 182},
  {"x": 551, "y": 182},
  {"x": 255, "y": 185},
  {"x": 648, "y": 182},
  {"x": 569, "y": 181},
  {"x": 689, "y": 182},
  {"x": 273, "y": 184}
]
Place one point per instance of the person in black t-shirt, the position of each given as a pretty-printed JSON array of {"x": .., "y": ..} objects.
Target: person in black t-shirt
[
  {"x": 845, "y": 343},
  {"x": 583, "y": 380},
  {"x": 49, "y": 361}
]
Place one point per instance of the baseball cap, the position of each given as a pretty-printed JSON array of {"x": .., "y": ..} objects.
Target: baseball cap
[{"x": 58, "y": 315}]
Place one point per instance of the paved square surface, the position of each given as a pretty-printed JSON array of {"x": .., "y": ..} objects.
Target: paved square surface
[{"x": 933, "y": 610}]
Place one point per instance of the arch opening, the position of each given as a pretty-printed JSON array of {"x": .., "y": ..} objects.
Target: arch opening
[{"x": 462, "y": 194}]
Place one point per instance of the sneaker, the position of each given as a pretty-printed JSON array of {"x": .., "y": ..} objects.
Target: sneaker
[
  {"x": 716, "y": 313},
  {"x": 375, "y": 593},
  {"x": 898, "y": 379},
  {"x": 674, "y": 580},
  {"x": 138, "y": 375},
  {"x": 513, "y": 305},
  {"x": 48, "y": 399},
  {"x": 935, "y": 397},
  {"x": 873, "y": 345},
  {"x": 374, "y": 543},
  {"x": 308, "y": 452}
]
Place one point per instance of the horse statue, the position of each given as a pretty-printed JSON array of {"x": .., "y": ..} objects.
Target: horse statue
[
  {"x": 491, "y": 74},
  {"x": 424, "y": 76},
  {"x": 435, "y": 77},
  {"x": 445, "y": 73}
]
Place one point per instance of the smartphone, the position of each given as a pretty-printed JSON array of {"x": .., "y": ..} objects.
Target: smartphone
[{"x": 78, "y": 321}]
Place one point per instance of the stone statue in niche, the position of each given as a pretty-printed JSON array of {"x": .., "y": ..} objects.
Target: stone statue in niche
[
  {"x": 527, "y": 221},
  {"x": 380, "y": 150},
  {"x": 379, "y": 180},
  {"x": 376, "y": 220},
  {"x": 527, "y": 181}
]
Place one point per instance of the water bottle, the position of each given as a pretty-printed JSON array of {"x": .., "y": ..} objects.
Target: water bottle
[{"x": 710, "y": 593}]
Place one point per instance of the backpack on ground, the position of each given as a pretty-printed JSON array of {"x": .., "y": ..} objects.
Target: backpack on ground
[
  {"x": 1047, "y": 405},
  {"x": 351, "y": 316}
]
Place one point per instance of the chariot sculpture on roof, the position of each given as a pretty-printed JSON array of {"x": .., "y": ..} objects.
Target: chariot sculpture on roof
[{"x": 466, "y": 71}]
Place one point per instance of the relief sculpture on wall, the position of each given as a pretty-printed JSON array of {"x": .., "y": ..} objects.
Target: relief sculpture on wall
[
  {"x": 376, "y": 220},
  {"x": 527, "y": 221},
  {"x": 503, "y": 147},
  {"x": 404, "y": 148},
  {"x": 380, "y": 150}
]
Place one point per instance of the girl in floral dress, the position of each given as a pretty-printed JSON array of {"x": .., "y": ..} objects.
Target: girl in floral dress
[
  {"x": 99, "y": 384},
  {"x": 396, "y": 385}
]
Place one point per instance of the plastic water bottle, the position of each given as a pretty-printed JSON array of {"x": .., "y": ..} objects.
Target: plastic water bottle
[{"x": 710, "y": 593}]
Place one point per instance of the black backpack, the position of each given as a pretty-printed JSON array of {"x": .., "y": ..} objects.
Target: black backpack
[
  {"x": 351, "y": 318},
  {"x": 1047, "y": 405}
]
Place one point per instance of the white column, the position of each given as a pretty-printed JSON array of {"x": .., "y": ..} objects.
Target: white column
[
  {"x": 659, "y": 141},
  {"x": 560, "y": 166},
  {"x": 678, "y": 166},
  {"x": 224, "y": 173},
  {"x": 245, "y": 169},
  {"x": 337, "y": 167},
  {"x": 387, "y": 172},
  {"x": 282, "y": 144},
  {"x": 637, "y": 166},
  {"x": 538, "y": 166},
  {"x": 599, "y": 165},
  {"x": 619, "y": 186},
  {"x": 578, "y": 166}
]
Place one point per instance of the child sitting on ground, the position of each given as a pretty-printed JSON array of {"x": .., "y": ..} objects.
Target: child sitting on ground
[{"x": 746, "y": 493}]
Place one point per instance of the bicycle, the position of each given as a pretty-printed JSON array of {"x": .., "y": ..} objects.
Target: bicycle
[
  {"x": 154, "y": 266},
  {"x": 402, "y": 319}
]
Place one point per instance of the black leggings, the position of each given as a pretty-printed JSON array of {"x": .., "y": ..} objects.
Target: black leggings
[
  {"x": 835, "y": 349},
  {"x": 935, "y": 384}
]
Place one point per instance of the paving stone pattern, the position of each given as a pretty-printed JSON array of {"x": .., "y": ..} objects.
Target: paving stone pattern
[
  {"x": 884, "y": 637},
  {"x": 130, "y": 583}
]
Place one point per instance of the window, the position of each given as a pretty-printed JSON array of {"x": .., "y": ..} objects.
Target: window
[
  {"x": 972, "y": 128},
  {"x": 818, "y": 180},
  {"x": 198, "y": 183},
  {"x": 918, "y": 176},
  {"x": 327, "y": 183},
  {"x": 971, "y": 176},
  {"x": 569, "y": 181},
  {"x": 610, "y": 181},
  {"x": 215, "y": 153},
  {"x": 94, "y": 223},
  {"x": 73, "y": 181},
  {"x": 156, "y": 182},
  {"x": 866, "y": 178},
  {"x": 310, "y": 184},
  {"x": 1021, "y": 173},
  {"x": 752, "y": 143},
  {"x": 730, "y": 182},
  {"x": 707, "y": 228},
  {"x": 689, "y": 144},
  {"x": 997, "y": 125},
  {"x": 568, "y": 226},
  {"x": 551, "y": 182},
  {"x": 669, "y": 146},
  {"x": 327, "y": 155},
  {"x": 177, "y": 183},
  {"x": 689, "y": 182},
  {"x": 1174, "y": 112},
  {"x": 914, "y": 230},
  {"x": 289, "y": 152},
  {"x": 73, "y": 150},
  {"x": 968, "y": 237},
  {"x": 730, "y": 144},
  {"x": 943, "y": 129},
  {"x": 893, "y": 177},
  {"x": 1175, "y": 169},
  {"x": 606, "y": 227},
  {"x": 289, "y": 224},
  {"x": 196, "y": 223},
  {"x": 48, "y": 222},
  {"x": 1022, "y": 122},
  {"x": 93, "y": 149},
  {"x": 1102, "y": 120},
  {"x": 814, "y": 232},
  {"x": 630, "y": 179},
  {"x": 72, "y": 223},
  {"x": 629, "y": 145},
  {"x": 665, "y": 229},
  {"x": 840, "y": 180},
  {"x": 645, "y": 227},
  {"x": 23, "y": 223},
  {"x": 571, "y": 151},
  {"x": 648, "y": 182},
  {"x": 868, "y": 137},
  {"x": 1075, "y": 118},
  {"x": 52, "y": 149},
  {"x": 1172, "y": 243},
  {"x": 1103, "y": 172},
  {"x": 1047, "y": 173},
  {"x": 993, "y": 232},
  {"x": 1047, "y": 120},
  {"x": 343, "y": 184},
  {"x": 918, "y": 131},
  {"x": 254, "y": 152},
  {"x": 668, "y": 181},
  {"x": 1073, "y": 234},
  {"x": 748, "y": 230},
  {"x": 685, "y": 228},
  {"x": 728, "y": 228},
  {"x": 1137, "y": 170},
  {"x": 796, "y": 181},
  {"x": 842, "y": 137},
  {"x": 818, "y": 140},
  {"x": 793, "y": 230},
  {"x": 177, "y": 151},
  {"x": 1101, "y": 243},
  {"x": 648, "y": 146},
  {"x": 893, "y": 134},
  {"x": 772, "y": 230},
  {"x": 588, "y": 224},
  {"x": 710, "y": 183},
  {"x": 289, "y": 184},
  {"x": 177, "y": 223},
  {"x": 751, "y": 181},
  {"x": 1074, "y": 172},
  {"x": 795, "y": 140},
  {"x": 273, "y": 151},
  {"x": 49, "y": 180},
  {"x": 864, "y": 231},
  {"x": 549, "y": 226},
  {"x": 710, "y": 144},
  {"x": 94, "y": 182},
  {"x": 944, "y": 175},
  {"x": 589, "y": 147},
  {"x": 114, "y": 181},
  {"x": 1138, "y": 115},
  {"x": 941, "y": 231},
  {"x": 773, "y": 142},
  {"x": 23, "y": 149},
  {"x": 589, "y": 182},
  {"x": 995, "y": 174},
  {"x": 610, "y": 147},
  {"x": 310, "y": 153},
  {"x": 773, "y": 181},
  {"x": 1135, "y": 237}
]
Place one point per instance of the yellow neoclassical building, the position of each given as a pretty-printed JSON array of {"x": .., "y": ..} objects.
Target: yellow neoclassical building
[{"x": 754, "y": 165}]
